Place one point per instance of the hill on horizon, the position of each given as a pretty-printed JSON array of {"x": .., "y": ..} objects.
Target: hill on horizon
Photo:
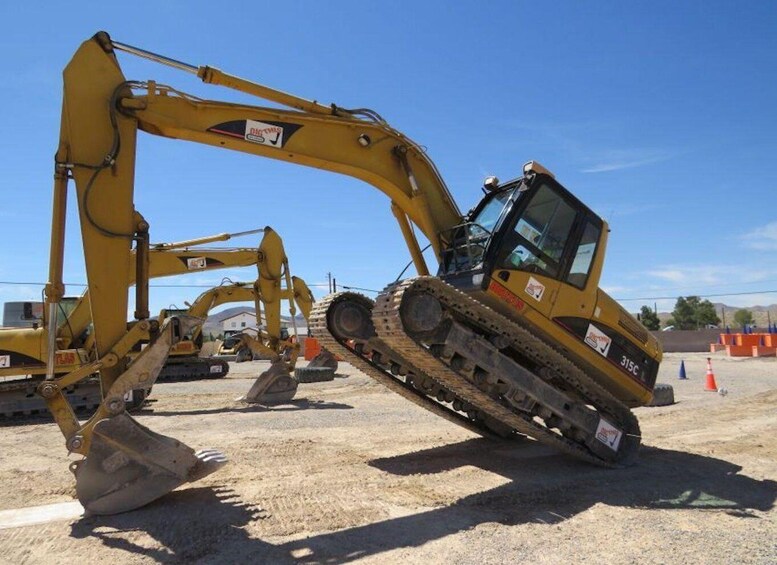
[{"x": 762, "y": 315}]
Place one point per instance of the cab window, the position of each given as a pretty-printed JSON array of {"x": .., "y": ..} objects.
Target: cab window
[
  {"x": 584, "y": 255},
  {"x": 540, "y": 235}
]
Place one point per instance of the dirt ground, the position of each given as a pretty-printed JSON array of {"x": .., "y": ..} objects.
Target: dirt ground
[{"x": 350, "y": 472}]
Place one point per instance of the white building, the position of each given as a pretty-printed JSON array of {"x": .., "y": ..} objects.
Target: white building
[{"x": 239, "y": 321}]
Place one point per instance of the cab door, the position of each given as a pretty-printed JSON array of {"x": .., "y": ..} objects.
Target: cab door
[
  {"x": 531, "y": 259},
  {"x": 576, "y": 297}
]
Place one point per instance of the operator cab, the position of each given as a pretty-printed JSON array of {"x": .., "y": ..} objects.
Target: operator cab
[{"x": 532, "y": 224}]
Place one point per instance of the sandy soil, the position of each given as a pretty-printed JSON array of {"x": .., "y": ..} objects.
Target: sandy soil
[{"x": 350, "y": 472}]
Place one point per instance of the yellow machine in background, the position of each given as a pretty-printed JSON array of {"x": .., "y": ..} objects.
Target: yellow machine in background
[
  {"x": 23, "y": 349},
  {"x": 271, "y": 342},
  {"x": 512, "y": 337}
]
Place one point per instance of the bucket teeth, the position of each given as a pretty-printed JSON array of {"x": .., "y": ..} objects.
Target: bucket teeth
[{"x": 208, "y": 461}]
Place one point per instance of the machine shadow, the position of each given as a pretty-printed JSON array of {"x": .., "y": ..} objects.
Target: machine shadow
[
  {"x": 662, "y": 478},
  {"x": 28, "y": 420},
  {"x": 208, "y": 525},
  {"x": 543, "y": 488},
  {"x": 149, "y": 410},
  {"x": 292, "y": 406},
  {"x": 198, "y": 524}
]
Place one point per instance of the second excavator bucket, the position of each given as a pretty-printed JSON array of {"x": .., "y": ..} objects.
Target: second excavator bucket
[
  {"x": 324, "y": 359},
  {"x": 128, "y": 466},
  {"x": 274, "y": 386}
]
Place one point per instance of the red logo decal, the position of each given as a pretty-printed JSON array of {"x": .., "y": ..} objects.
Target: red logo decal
[
  {"x": 506, "y": 295},
  {"x": 66, "y": 358}
]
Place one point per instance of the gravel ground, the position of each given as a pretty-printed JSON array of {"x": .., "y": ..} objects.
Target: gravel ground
[{"x": 349, "y": 472}]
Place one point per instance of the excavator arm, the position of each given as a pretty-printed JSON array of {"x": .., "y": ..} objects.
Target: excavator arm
[
  {"x": 101, "y": 114},
  {"x": 163, "y": 262},
  {"x": 368, "y": 150}
]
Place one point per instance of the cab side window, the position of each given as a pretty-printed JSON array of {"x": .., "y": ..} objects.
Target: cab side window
[
  {"x": 581, "y": 265},
  {"x": 540, "y": 234}
]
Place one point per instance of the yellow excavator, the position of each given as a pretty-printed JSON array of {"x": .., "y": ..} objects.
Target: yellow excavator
[
  {"x": 510, "y": 337},
  {"x": 22, "y": 350},
  {"x": 273, "y": 341},
  {"x": 269, "y": 343}
]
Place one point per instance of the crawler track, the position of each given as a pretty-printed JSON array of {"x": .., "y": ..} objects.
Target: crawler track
[
  {"x": 471, "y": 389},
  {"x": 193, "y": 369},
  {"x": 375, "y": 359},
  {"x": 18, "y": 400}
]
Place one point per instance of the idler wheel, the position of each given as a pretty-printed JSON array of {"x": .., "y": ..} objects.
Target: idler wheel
[{"x": 350, "y": 320}]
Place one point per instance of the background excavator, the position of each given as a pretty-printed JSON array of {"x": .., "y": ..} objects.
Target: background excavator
[
  {"x": 512, "y": 337},
  {"x": 23, "y": 349},
  {"x": 270, "y": 343},
  {"x": 184, "y": 361}
]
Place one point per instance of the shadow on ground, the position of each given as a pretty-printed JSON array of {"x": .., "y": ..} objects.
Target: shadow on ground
[
  {"x": 44, "y": 417},
  {"x": 190, "y": 525},
  {"x": 292, "y": 406},
  {"x": 544, "y": 488}
]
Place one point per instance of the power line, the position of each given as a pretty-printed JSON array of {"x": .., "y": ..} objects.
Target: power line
[
  {"x": 360, "y": 288},
  {"x": 22, "y": 283}
]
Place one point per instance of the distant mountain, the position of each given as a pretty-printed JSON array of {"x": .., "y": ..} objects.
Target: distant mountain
[
  {"x": 761, "y": 314},
  {"x": 219, "y": 317}
]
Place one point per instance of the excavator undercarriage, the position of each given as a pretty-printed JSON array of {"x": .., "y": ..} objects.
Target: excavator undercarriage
[{"x": 458, "y": 358}]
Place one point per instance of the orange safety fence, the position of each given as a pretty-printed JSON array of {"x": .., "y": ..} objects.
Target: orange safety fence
[{"x": 746, "y": 345}]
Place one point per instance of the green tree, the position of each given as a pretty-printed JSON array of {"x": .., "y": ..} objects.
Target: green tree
[
  {"x": 743, "y": 317},
  {"x": 692, "y": 313},
  {"x": 649, "y": 318},
  {"x": 683, "y": 314}
]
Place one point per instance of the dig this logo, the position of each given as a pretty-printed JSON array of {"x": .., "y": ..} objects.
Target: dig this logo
[{"x": 598, "y": 340}]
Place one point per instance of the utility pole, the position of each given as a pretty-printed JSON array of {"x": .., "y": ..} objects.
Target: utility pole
[
  {"x": 329, "y": 276},
  {"x": 334, "y": 284}
]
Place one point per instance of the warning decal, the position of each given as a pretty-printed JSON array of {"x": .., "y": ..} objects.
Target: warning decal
[
  {"x": 597, "y": 339},
  {"x": 196, "y": 263},
  {"x": 5, "y": 361},
  {"x": 608, "y": 434},
  {"x": 535, "y": 289}
]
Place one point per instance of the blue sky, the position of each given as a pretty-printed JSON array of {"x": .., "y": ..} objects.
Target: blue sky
[{"x": 659, "y": 115}]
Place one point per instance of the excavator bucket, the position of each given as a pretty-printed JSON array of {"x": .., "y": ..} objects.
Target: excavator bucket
[
  {"x": 324, "y": 359},
  {"x": 127, "y": 465},
  {"x": 275, "y": 386}
]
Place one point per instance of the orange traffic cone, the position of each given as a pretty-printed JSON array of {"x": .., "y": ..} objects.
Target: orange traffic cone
[{"x": 711, "y": 384}]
